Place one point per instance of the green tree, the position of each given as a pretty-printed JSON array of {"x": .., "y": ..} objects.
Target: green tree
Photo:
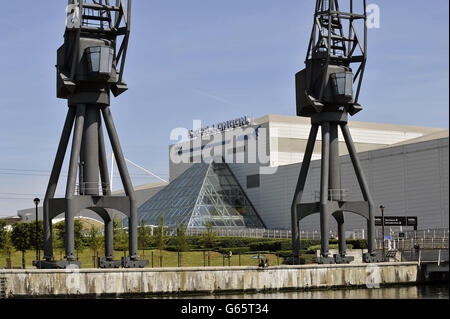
[
  {"x": 144, "y": 236},
  {"x": 209, "y": 238},
  {"x": 94, "y": 240},
  {"x": 20, "y": 238},
  {"x": 181, "y": 241},
  {"x": 160, "y": 239},
  {"x": 32, "y": 226},
  {"x": 7, "y": 248},
  {"x": 3, "y": 233},
  {"x": 79, "y": 238},
  {"x": 58, "y": 243},
  {"x": 121, "y": 239}
]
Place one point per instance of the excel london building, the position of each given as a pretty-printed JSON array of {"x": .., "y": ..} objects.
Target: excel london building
[{"x": 242, "y": 173}]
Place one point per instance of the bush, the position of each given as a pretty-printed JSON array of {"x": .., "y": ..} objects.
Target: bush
[
  {"x": 273, "y": 245},
  {"x": 240, "y": 241},
  {"x": 313, "y": 249},
  {"x": 306, "y": 243},
  {"x": 260, "y": 252},
  {"x": 171, "y": 248},
  {"x": 358, "y": 243},
  {"x": 285, "y": 253},
  {"x": 234, "y": 250}
]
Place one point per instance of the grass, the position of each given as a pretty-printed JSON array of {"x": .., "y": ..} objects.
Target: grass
[{"x": 169, "y": 258}]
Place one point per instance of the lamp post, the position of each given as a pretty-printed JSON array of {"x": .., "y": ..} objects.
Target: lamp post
[
  {"x": 382, "y": 229},
  {"x": 36, "y": 202}
]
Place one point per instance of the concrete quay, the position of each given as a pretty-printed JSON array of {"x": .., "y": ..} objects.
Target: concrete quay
[{"x": 75, "y": 283}]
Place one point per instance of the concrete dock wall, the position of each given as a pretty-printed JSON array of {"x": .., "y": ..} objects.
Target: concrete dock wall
[{"x": 98, "y": 282}]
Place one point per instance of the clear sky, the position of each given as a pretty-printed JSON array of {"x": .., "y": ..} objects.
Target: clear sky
[{"x": 206, "y": 60}]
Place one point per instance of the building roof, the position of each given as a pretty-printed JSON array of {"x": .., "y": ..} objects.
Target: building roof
[
  {"x": 351, "y": 123},
  {"x": 443, "y": 133}
]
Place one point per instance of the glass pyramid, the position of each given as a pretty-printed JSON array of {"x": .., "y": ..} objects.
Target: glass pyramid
[{"x": 204, "y": 193}]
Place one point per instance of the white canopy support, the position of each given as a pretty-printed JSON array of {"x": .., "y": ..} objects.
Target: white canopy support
[{"x": 134, "y": 164}]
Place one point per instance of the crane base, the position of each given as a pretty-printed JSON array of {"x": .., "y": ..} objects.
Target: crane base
[{"x": 57, "y": 264}]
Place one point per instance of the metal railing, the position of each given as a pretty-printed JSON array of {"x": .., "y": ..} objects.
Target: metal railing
[
  {"x": 428, "y": 233},
  {"x": 437, "y": 256},
  {"x": 333, "y": 194},
  {"x": 423, "y": 233},
  {"x": 256, "y": 233},
  {"x": 413, "y": 243},
  {"x": 244, "y": 232},
  {"x": 88, "y": 187}
]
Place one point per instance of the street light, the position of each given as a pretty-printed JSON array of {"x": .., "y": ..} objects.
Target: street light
[
  {"x": 382, "y": 229},
  {"x": 36, "y": 202}
]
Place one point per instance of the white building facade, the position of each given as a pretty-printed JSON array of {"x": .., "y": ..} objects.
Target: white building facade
[{"x": 406, "y": 168}]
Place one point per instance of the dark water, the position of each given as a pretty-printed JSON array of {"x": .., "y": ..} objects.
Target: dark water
[{"x": 440, "y": 291}]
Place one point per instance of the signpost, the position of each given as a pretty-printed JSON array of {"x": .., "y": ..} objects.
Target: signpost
[
  {"x": 383, "y": 223},
  {"x": 397, "y": 221}
]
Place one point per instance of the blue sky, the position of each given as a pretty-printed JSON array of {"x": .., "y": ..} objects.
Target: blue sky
[{"x": 209, "y": 60}]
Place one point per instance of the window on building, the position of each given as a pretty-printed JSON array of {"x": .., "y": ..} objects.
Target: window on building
[{"x": 253, "y": 181}]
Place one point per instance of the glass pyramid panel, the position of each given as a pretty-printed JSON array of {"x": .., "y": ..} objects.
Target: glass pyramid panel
[
  {"x": 204, "y": 193},
  {"x": 222, "y": 202},
  {"x": 175, "y": 201}
]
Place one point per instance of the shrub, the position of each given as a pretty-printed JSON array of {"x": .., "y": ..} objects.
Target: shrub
[
  {"x": 313, "y": 249},
  {"x": 285, "y": 253},
  {"x": 177, "y": 248},
  {"x": 234, "y": 250},
  {"x": 260, "y": 252},
  {"x": 358, "y": 243}
]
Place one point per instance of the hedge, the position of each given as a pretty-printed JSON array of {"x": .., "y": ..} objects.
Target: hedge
[
  {"x": 313, "y": 249},
  {"x": 258, "y": 244},
  {"x": 234, "y": 250}
]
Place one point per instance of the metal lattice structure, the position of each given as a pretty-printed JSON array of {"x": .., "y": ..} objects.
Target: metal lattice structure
[
  {"x": 324, "y": 91},
  {"x": 90, "y": 66},
  {"x": 204, "y": 193}
]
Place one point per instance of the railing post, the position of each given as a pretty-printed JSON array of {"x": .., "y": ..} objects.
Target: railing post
[{"x": 439, "y": 258}]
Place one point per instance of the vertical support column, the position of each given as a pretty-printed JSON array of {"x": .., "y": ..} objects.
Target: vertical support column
[
  {"x": 341, "y": 235},
  {"x": 364, "y": 187},
  {"x": 335, "y": 166},
  {"x": 71, "y": 180},
  {"x": 339, "y": 217},
  {"x": 299, "y": 189},
  {"x": 109, "y": 239},
  {"x": 324, "y": 180},
  {"x": 106, "y": 191},
  {"x": 103, "y": 162},
  {"x": 90, "y": 152},
  {"x": 53, "y": 182},
  {"x": 70, "y": 229},
  {"x": 335, "y": 182},
  {"x": 129, "y": 191}
]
